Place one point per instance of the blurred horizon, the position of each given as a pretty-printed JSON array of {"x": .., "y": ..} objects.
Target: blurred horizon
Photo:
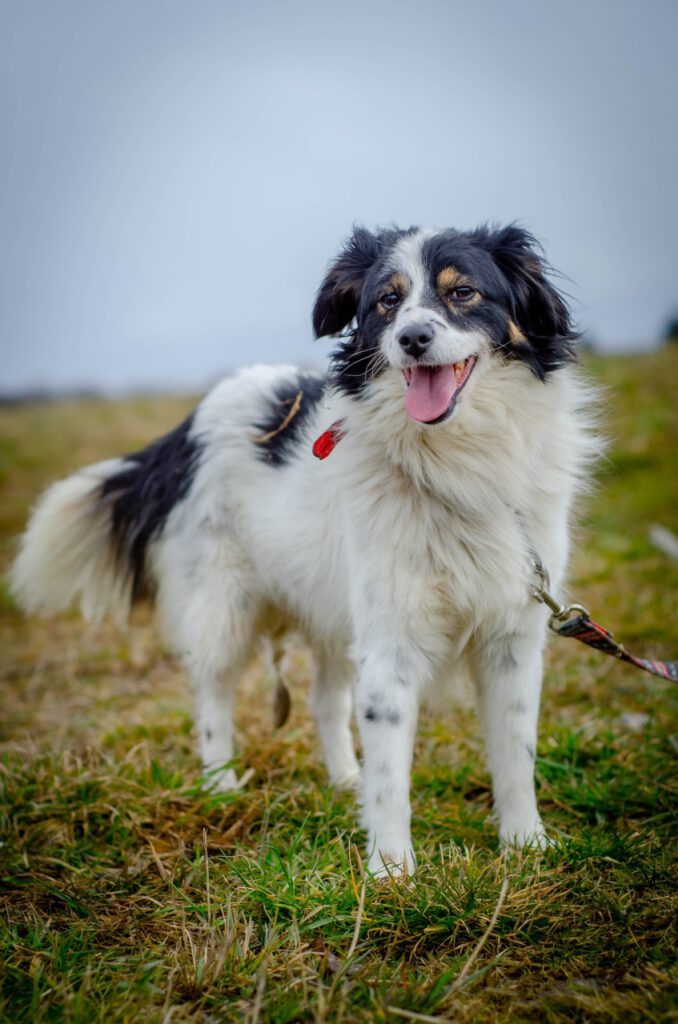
[{"x": 176, "y": 179}]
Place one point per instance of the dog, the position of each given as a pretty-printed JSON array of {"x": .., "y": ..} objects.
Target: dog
[{"x": 453, "y": 431}]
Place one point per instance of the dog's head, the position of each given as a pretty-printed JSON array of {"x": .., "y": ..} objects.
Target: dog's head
[{"x": 434, "y": 306}]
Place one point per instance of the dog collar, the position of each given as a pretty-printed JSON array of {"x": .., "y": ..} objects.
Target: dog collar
[{"x": 329, "y": 439}]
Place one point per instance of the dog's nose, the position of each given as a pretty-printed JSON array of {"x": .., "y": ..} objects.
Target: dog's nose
[{"x": 414, "y": 339}]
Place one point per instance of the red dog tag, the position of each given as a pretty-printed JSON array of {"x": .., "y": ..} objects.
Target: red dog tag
[{"x": 328, "y": 440}]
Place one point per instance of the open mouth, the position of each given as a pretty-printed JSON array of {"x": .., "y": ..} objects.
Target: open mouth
[{"x": 432, "y": 391}]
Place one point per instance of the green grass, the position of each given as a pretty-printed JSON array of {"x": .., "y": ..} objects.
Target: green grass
[{"x": 127, "y": 893}]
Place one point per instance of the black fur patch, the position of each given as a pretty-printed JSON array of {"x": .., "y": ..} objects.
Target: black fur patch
[
  {"x": 142, "y": 495},
  {"x": 355, "y": 363},
  {"x": 514, "y": 282},
  {"x": 373, "y": 715},
  {"x": 347, "y": 293},
  {"x": 275, "y": 439}
]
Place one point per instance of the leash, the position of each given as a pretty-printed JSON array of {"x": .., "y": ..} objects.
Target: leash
[
  {"x": 575, "y": 621},
  {"x": 571, "y": 620}
]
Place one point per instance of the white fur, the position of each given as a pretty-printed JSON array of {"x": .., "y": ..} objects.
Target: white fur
[
  {"x": 401, "y": 558},
  {"x": 66, "y": 555}
]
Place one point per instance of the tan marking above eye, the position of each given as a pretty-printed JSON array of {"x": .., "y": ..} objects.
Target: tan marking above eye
[
  {"x": 449, "y": 278},
  {"x": 399, "y": 284},
  {"x": 516, "y": 336}
]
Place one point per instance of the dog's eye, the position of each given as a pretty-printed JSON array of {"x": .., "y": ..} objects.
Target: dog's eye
[
  {"x": 462, "y": 294},
  {"x": 390, "y": 300}
]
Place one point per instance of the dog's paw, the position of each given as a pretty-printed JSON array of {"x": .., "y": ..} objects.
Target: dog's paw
[
  {"x": 219, "y": 780},
  {"x": 529, "y": 836},
  {"x": 350, "y": 782},
  {"x": 382, "y": 865}
]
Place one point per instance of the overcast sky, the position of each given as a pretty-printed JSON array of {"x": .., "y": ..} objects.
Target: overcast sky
[{"x": 175, "y": 176}]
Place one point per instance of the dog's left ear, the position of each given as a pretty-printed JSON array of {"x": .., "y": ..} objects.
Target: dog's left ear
[
  {"x": 337, "y": 301},
  {"x": 538, "y": 310}
]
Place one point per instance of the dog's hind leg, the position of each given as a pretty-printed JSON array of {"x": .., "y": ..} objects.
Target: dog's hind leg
[
  {"x": 276, "y": 656},
  {"x": 214, "y": 688},
  {"x": 332, "y": 704},
  {"x": 208, "y": 615}
]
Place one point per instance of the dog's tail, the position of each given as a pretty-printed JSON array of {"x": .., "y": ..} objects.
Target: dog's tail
[
  {"x": 87, "y": 539},
  {"x": 67, "y": 553}
]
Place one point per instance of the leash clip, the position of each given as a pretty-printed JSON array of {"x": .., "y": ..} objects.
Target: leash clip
[{"x": 540, "y": 591}]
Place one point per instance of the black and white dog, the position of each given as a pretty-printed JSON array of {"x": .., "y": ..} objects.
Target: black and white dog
[{"x": 460, "y": 433}]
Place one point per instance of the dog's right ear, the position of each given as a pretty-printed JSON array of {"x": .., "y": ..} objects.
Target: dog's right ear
[{"x": 337, "y": 301}]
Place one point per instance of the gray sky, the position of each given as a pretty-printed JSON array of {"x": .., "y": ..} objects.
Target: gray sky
[{"x": 175, "y": 176}]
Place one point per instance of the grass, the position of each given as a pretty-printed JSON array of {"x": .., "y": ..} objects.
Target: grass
[{"x": 127, "y": 893}]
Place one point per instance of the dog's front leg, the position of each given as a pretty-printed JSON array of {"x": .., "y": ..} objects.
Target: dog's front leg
[
  {"x": 510, "y": 669},
  {"x": 387, "y": 705}
]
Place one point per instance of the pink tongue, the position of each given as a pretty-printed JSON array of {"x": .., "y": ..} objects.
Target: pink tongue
[{"x": 430, "y": 392}]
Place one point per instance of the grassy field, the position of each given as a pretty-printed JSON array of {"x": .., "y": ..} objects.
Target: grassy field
[{"x": 127, "y": 894}]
